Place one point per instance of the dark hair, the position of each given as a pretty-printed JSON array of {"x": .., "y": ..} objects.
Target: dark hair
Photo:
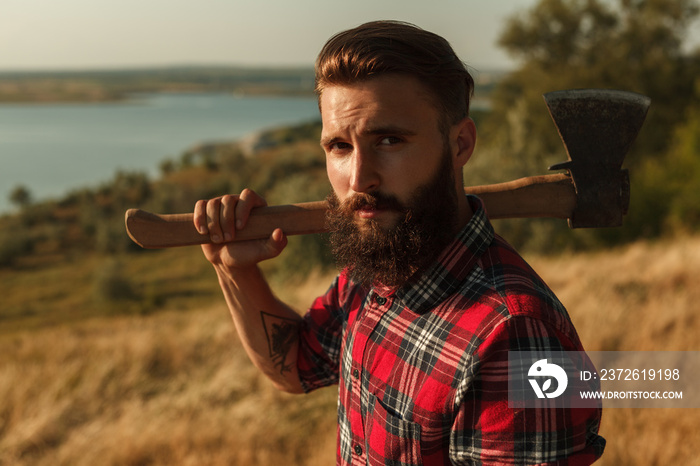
[{"x": 383, "y": 47}]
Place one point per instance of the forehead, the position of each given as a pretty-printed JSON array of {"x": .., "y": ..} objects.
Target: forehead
[{"x": 386, "y": 99}]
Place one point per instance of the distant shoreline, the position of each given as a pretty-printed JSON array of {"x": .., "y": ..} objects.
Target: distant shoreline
[
  {"x": 129, "y": 99},
  {"x": 118, "y": 85},
  {"x": 114, "y": 86},
  {"x": 128, "y": 96}
]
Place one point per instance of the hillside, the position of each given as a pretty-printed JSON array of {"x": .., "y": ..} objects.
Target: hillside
[
  {"x": 110, "y": 354},
  {"x": 174, "y": 387}
]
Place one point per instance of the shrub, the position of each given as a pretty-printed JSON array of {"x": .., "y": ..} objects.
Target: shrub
[
  {"x": 112, "y": 284},
  {"x": 14, "y": 246}
]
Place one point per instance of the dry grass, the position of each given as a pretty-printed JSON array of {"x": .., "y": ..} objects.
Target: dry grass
[
  {"x": 49, "y": 290},
  {"x": 644, "y": 297},
  {"x": 169, "y": 389},
  {"x": 176, "y": 388}
]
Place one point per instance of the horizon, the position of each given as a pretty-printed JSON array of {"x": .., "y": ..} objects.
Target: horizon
[
  {"x": 177, "y": 66},
  {"x": 202, "y": 66},
  {"x": 189, "y": 66}
]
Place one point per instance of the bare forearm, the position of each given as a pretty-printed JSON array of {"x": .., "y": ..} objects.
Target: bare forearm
[{"x": 267, "y": 327}]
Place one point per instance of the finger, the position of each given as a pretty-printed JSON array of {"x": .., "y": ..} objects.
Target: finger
[
  {"x": 227, "y": 217},
  {"x": 200, "y": 217},
  {"x": 247, "y": 201},
  {"x": 213, "y": 222}
]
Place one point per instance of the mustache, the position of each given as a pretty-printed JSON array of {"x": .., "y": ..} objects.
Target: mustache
[{"x": 375, "y": 200}]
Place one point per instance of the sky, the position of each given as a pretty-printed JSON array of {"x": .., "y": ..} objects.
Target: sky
[{"x": 96, "y": 34}]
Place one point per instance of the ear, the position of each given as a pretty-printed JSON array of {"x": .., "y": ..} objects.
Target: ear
[{"x": 463, "y": 141}]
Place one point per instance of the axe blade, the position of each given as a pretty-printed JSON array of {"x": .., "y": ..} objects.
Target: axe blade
[{"x": 597, "y": 127}]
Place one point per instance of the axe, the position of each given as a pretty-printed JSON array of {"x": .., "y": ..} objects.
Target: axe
[{"x": 597, "y": 127}]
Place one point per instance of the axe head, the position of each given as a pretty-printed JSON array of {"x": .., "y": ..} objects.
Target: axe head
[{"x": 597, "y": 126}]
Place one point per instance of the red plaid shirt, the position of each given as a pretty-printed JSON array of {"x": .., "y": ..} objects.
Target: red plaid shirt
[{"x": 422, "y": 371}]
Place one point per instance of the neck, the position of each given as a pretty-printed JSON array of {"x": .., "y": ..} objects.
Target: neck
[
  {"x": 464, "y": 211},
  {"x": 464, "y": 214}
]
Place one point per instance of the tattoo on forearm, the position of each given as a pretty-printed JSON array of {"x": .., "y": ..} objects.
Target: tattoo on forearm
[{"x": 281, "y": 335}]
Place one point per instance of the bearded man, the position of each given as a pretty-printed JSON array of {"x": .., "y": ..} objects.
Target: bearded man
[{"x": 417, "y": 327}]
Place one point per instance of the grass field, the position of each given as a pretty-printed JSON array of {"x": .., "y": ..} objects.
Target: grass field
[{"x": 173, "y": 387}]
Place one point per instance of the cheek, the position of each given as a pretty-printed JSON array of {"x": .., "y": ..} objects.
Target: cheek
[
  {"x": 335, "y": 176},
  {"x": 419, "y": 171}
]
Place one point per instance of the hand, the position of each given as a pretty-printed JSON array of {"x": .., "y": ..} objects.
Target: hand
[{"x": 221, "y": 217}]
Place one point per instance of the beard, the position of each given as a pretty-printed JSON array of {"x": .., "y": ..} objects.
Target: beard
[{"x": 377, "y": 256}]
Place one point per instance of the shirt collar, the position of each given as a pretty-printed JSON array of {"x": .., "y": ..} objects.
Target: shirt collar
[{"x": 452, "y": 267}]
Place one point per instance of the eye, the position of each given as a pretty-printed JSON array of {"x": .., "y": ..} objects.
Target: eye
[
  {"x": 338, "y": 147},
  {"x": 390, "y": 141}
]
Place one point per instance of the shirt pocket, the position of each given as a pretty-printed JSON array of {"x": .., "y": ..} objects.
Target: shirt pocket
[{"x": 391, "y": 439}]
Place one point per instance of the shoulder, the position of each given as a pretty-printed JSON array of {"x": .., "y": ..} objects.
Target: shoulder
[
  {"x": 502, "y": 296},
  {"x": 520, "y": 290}
]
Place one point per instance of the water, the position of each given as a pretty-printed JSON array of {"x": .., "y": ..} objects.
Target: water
[{"x": 53, "y": 149}]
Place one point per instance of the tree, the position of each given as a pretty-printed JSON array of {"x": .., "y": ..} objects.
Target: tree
[
  {"x": 21, "y": 196},
  {"x": 675, "y": 178},
  {"x": 634, "y": 45}
]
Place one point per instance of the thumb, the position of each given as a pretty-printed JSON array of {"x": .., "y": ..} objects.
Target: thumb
[{"x": 275, "y": 244}]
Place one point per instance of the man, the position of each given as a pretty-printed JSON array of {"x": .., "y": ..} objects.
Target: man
[{"x": 417, "y": 327}]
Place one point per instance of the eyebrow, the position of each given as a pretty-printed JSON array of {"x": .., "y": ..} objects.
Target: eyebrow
[{"x": 373, "y": 131}]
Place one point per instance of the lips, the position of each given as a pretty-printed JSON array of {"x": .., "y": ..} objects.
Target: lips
[
  {"x": 374, "y": 207},
  {"x": 369, "y": 212}
]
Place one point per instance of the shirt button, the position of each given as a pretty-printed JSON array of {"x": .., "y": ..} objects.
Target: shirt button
[
  {"x": 356, "y": 374},
  {"x": 358, "y": 450},
  {"x": 381, "y": 300}
]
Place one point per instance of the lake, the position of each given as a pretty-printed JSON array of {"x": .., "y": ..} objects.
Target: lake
[{"x": 52, "y": 149}]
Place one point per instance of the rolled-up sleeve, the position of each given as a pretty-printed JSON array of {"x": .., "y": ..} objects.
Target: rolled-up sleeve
[{"x": 321, "y": 333}]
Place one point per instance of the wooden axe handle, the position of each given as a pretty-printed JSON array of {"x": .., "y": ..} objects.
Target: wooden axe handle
[
  {"x": 154, "y": 231},
  {"x": 537, "y": 196}
]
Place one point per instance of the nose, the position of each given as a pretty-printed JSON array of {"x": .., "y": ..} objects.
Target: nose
[{"x": 364, "y": 176}]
